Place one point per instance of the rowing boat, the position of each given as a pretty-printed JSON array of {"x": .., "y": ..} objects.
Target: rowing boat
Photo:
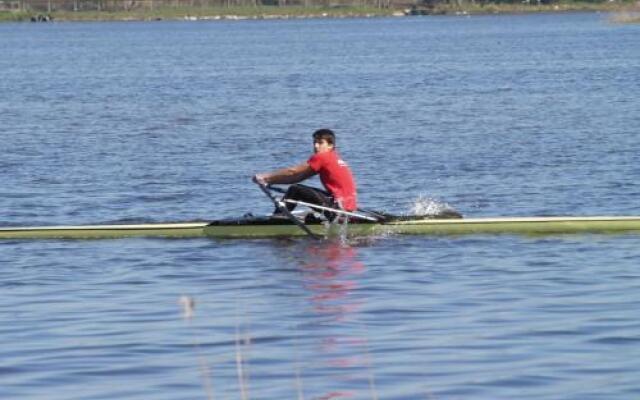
[
  {"x": 168, "y": 230},
  {"x": 274, "y": 226},
  {"x": 270, "y": 227}
]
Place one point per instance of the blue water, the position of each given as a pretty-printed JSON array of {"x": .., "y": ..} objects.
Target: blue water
[{"x": 167, "y": 121}]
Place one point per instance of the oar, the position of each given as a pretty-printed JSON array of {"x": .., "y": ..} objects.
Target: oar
[
  {"x": 378, "y": 217},
  {"x": 276, "y": 189},
  {"x": 282, "y": 207},
  {"x": 333, "y": 210}
]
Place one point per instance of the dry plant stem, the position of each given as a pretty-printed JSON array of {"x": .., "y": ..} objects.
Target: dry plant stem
[
  {"x": 205, "y": 372},
  {"x": 188, "y": 307},
  {"x": 298, "y": 368},
  {"x": 242, "y": 380}
]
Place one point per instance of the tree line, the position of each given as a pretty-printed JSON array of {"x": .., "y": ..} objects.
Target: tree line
[
  {"x": 150, "y": 5},
  {"x": 131, "y": 5}
]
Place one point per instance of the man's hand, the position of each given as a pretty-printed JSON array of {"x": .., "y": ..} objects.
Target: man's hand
[{"x": 259, "y": 179}]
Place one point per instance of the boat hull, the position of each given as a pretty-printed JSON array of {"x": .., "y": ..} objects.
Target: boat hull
[
  {"x": 524, "y": 225},
  {"x": 170, "y": 230},
  {"x": 264, "y": 227}
]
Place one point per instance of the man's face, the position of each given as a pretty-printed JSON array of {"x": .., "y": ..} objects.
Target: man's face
[{"x": 321, "y": 146}]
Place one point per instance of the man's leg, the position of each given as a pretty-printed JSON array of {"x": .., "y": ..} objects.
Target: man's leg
[{"x": 310, "y": 195}]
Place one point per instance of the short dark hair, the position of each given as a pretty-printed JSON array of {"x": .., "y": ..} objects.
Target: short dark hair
[{"x": 325, "y": 134}]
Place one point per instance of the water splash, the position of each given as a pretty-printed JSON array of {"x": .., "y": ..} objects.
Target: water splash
[
  {"x": 344, "y": 231},
  {"x": 428, "y": 206}
]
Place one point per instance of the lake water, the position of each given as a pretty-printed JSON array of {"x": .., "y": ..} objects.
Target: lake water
[{"x": 167, "y": 121}]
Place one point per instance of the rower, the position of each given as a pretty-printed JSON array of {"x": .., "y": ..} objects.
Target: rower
[{"x": 335, "y": 175}]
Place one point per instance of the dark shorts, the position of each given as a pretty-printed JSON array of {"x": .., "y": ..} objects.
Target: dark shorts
[{"x": 311, "y": 195}]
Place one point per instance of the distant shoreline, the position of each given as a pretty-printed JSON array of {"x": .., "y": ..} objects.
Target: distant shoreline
[{"x": 622, "y": 12}]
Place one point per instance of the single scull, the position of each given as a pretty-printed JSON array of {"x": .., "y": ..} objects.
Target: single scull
[{"x": 275, "y": 226}]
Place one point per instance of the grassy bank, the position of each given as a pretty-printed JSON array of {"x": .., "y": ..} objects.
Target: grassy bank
[
  {"x": 271, "y": 12},
  {"x": 205, "y": 13},
  {"x": 520, "y": 8}
]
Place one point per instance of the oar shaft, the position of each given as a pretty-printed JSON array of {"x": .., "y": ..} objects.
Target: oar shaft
[
  {"x": 333, "y": 210},
  {"x": 276, "y": 189},
  {"x": 282, "y": 207}
]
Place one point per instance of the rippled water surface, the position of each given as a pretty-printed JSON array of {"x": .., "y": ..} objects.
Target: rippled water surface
[{"x": 163, "y": 121}]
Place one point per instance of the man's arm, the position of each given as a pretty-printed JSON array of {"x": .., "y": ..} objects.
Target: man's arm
[{"x": 286, "y": 176}]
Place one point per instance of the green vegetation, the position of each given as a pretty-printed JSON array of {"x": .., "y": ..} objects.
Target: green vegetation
[
  {"x": 518, "y": 7},
  {"x": 122, "y": 10},
  {"x": 236, "y": 12},
  {"x": 14, "y": 16}
]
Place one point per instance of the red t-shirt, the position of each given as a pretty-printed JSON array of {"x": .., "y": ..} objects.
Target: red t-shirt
[{"x": 336, "y": 177}]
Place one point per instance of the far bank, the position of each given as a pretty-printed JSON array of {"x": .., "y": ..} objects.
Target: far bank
[{"x": 624, "y": 11}]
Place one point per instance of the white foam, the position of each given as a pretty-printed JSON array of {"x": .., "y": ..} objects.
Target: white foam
[{"x": 428, "y": 206}]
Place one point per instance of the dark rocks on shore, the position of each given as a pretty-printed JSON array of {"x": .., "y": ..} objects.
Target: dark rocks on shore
[{"x": 41, "y": 18}]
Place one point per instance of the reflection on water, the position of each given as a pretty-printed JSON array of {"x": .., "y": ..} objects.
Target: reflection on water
[
  {"x": 330, "y": 273},
  {"x": 324, "y": 353}
]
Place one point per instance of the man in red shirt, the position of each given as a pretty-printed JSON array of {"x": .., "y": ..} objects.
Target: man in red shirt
[{"x": 335, "y": 176}]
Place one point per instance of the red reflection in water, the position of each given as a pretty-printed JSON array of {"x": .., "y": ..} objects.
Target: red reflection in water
[
  {"x": 335, "y": 395},
  {"x": 330, "y": 272},
  {"x": 328, "y": 275}
]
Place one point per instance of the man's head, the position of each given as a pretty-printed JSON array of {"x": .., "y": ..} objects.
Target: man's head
[{"x": 324, "y": 140}]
